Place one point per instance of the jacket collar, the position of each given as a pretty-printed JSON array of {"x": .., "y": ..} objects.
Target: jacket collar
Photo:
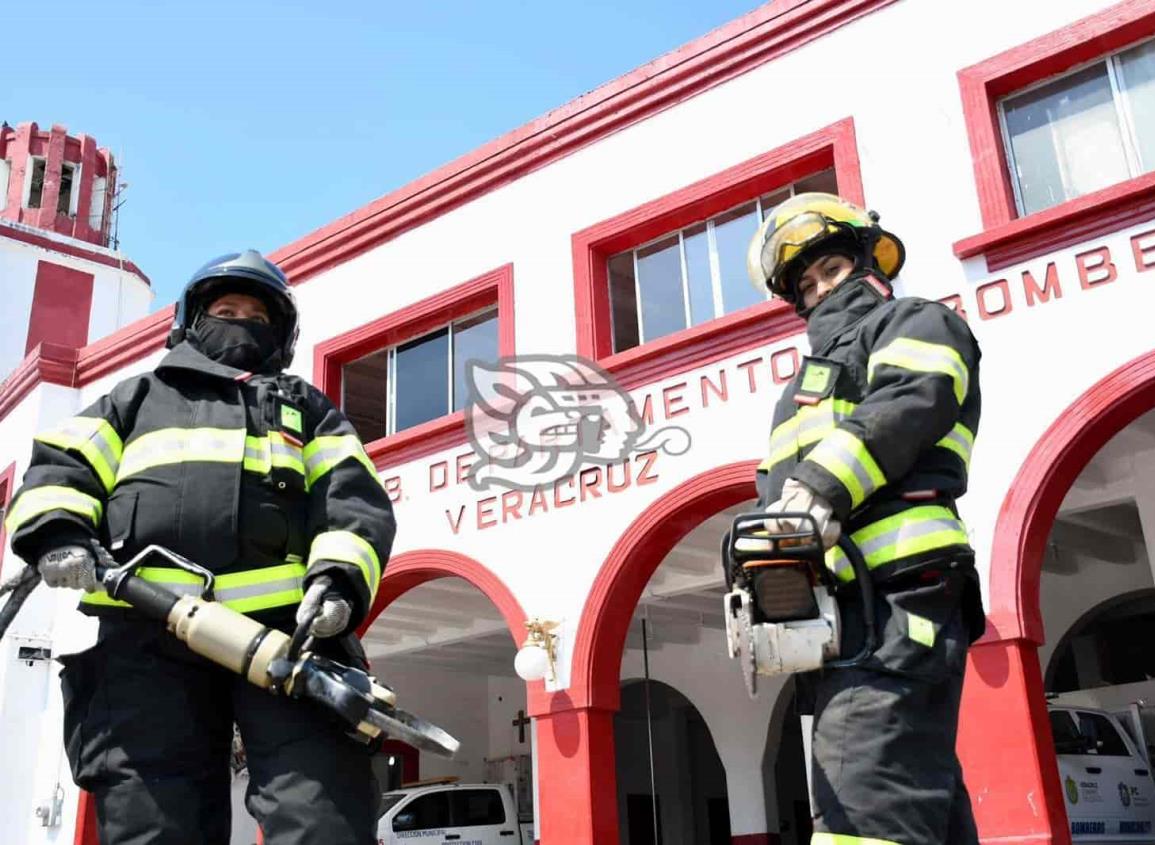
[
  {"x": 843, "y": 308},
  {"x": 185, "y": 356}
]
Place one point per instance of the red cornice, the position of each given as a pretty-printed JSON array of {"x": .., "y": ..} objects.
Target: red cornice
[
  {"x": 48, "y": 362},
  {"x": 71, "y": 250},
  {"x": 768, "y": 32},
  {"x": 130, "y": 343}
]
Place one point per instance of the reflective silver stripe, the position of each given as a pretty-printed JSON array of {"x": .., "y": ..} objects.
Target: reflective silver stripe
[
  {"x": 846, "y": 458},
  {"x": 177, "y": 445},
  {"x": 920, "y": 355},
  {"x": 228, "y": 594},
  {"x": 87, "y": 435},
  {"x": 347, "y": 547},
  {"x": 257, "y": 455},
  {"x": 324, "y": 453},
  {"x": 905, "y": 533},
  {"x": 960, "y": 441}
]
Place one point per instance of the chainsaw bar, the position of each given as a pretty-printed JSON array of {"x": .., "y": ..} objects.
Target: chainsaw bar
[{"x": 402, "y": 725}]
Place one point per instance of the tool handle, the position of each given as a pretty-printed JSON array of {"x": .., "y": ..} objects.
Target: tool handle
[{"x": 865, "y": 584}]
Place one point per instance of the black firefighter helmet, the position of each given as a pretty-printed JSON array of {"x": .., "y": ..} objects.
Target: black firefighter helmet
[{"x": 246, "y": 272}]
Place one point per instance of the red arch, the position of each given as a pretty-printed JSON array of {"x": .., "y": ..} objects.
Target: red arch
[
  {"x": 411, "y": 569},
  {"x": 1047, "y": 474},
  {"x": 605, "y": 619}
]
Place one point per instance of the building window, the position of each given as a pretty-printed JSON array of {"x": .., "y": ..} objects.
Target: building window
[
  {"x": 35, "y": 183},
  {"x": 692, "y": 275},
  {"x": 396, "y": 388},
  {"x": 1087, "y": 130},
  {"x": 69, "y": 188}
]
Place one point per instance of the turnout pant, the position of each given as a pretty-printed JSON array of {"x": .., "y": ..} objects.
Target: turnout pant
[
  {"x": 148, "y": 729},
  {"x": 885, "y": 769}
]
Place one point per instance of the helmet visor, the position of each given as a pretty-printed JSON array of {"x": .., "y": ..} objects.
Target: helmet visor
[{"x": 790, "y": 240}]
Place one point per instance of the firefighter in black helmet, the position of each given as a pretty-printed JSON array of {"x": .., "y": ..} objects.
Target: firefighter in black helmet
[
  {"x": 254, "y": 474},
  {"x": 873, "y": 439}
]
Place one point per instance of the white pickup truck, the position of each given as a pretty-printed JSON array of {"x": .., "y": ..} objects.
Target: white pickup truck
[{"x": 452, "y": 814}]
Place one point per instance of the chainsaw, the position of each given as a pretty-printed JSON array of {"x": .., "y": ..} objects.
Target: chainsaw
[
  {"x": 782, "y": 611},
  {"x": 265, "y": 657}
]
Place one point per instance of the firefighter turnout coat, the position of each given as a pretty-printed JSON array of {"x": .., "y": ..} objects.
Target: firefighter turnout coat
[
  {"x": 260, "y": 479},
  {"x": 880, "y": 421}
]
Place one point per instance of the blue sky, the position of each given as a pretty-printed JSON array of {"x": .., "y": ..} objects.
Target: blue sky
[{"x": 241, "y": 124}]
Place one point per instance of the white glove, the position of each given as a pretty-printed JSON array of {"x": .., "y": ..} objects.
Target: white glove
[
  {"x": 335, "y": 611},
  {"x": 798, "y": 498},
  {"x": 69, "y": 566}
]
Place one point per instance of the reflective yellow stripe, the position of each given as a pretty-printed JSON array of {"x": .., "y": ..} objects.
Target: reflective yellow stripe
[
  {"x": 324, "y": 453},
  {"x": 961, "y": 441},
  {"x": 182, "y": 445},
  {"x": 908, "y": 533},
  {"x": 845, "y": 839},
  {"x": 244, "y": 592},
  {"x": 918, "y": 355},
  {"x": 273, "y": 450},
  {"x": 347, "y": 547},
  {"x": 93, "y": 438},
  {"x": 846, "y": 458},
  {"x": 40, "y": 500},
  {"x": 920, "y": 629},
  {"x": 808, "y": 426}
]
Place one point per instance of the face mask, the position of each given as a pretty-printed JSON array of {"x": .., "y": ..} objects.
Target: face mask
[{"x": 244, "y": 344}]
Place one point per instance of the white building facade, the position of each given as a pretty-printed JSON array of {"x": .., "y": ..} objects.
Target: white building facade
[{"x": 1015, "y": 161}]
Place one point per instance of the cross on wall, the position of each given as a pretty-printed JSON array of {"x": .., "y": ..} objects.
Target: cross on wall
[{"x": 520, "y": 722}]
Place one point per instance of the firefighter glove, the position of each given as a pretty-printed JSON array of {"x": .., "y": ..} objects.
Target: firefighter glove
[
  {"x": 798, "y": 498},
  {"x": 71, "y": 565},
  {"x": 332, "y": 609}
]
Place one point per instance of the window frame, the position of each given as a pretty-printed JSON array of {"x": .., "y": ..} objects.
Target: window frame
[
  {"x": 7, "y": 491},
  {"x": 491, "y": 289},
  {"x": 1007, "y": 237},
  {"x": 831, "y": 147}
]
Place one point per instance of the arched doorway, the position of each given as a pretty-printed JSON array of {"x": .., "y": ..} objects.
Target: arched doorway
[
  {"x": 1005, "y": 739},
  {"x": 681, "y": 798}
]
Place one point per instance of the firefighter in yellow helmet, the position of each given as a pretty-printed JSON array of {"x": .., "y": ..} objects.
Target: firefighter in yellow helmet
[{"x": 873, "y": 439}]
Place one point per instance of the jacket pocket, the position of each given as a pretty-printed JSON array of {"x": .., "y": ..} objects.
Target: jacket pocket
[
  {"x": 85, "y": 714},
  {"x": 121, "y": 519}
]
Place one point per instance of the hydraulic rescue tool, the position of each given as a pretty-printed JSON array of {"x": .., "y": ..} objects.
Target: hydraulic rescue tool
[
  {"x": 781, "y": 612},
  {"x": 265, "y": 657}
]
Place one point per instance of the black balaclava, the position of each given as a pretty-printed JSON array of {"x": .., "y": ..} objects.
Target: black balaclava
[{"x": 251, "y": 345}]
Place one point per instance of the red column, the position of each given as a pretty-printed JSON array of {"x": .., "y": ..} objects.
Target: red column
[
  {"x": 576, "y": 775},
  {"x": 1005, "y": 745}
]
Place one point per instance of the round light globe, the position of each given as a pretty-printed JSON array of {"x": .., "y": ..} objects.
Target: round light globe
[{"x": 531, "y": 663}]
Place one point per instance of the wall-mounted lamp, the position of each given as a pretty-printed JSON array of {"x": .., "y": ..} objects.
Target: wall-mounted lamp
[{"x": 535, "y": 659}]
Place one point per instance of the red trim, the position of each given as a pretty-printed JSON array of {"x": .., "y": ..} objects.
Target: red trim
[
  {"x": 413, "y": 568},
  {"x": 832, "y": 146},
  {"x": 770, "y": 31},
  {"x": 1006, "y": 749},
  {"x": 329, "y": 356},
  {"x": 601, "y": 636},
  {"x": 984, "y": 83},
  {"x": 7, "y": 489},
  {"x": 410, "y": 758},
  {"x": 1029, "y": 509},
  {"x": 86, "y": 827},
  {"x": 48, "y": 363},
  {"x": 61, "y": 306},
  {"x": 130, "y": 343},
  {"x": 71, "y": 250}
]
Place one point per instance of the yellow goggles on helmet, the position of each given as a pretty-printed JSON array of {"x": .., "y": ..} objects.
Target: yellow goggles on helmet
[{"x": 804, "y": 221}]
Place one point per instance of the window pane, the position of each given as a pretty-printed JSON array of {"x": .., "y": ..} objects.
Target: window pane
[
  {"x": 1066, "y": 139},
  {"x": 823, "y": 182},
  {"x": 364, "y": 383},
  {"x": 473, "y": 339},
  {"x": 698, "y": 269},
  {"x": 732, "y": 233},
  {"x": 422, "y": 375},
  {"x": 36, "y": 186},
  {"x": 772, "y": 200},
  {"x": 1137, "y": 67},
  {"x": 477, "y": 807},
  {"x": 623, "y": 301},
  {"x": 660, "y": 283},
  {"x": 64, "y": 199},
  {"x": 1067, "y": 738},
  {"x": 1102, "y": 737},
  {"x": 425, "y": 813}
]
